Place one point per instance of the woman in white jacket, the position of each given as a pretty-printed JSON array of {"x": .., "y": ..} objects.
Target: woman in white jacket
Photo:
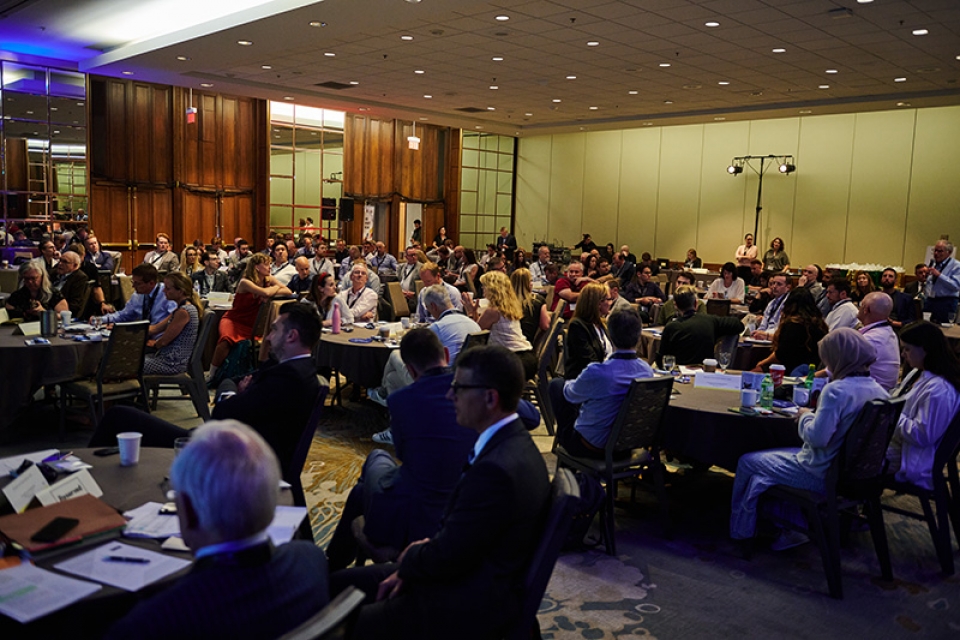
[{"x": 931, "y": 403}]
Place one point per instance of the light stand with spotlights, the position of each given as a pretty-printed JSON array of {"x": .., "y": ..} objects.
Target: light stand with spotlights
[{"x": 785, "y": 165}]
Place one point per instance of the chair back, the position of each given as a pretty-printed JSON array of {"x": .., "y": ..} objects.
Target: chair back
[
  {"x": 303, "y": 446},
  {"x": 126, "y": 288},
  {"x": 400, "y": 307},
  {"x": 861, "y": 457},
  {"x": 117, "y": 259},
  {"x": 548, "y": 294},
  {"x": 948, "y": 449},
  {"x": 546, "y": 346},
  {"x": 477, "y": 339},
  {"x": 208, "y": 320},
  {"x": 260, "y": 324},
  {"x": 717, "y": 307},
  {"x": 565, "y": 494},
  {"x": 385, "y": 311},
  {"x": 639, "y": 423},
  {"x": 123, "y": 357},
  {"x": 328, "y": 619}
]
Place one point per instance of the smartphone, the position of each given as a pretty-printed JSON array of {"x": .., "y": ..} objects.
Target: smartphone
[
  {"x": 109, "y": 451},
  {"x": 55, "y": 529}
]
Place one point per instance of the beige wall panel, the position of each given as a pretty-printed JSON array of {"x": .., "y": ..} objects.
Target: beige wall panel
[
  {"x": 723, "y": 198},
  {"x": 934, "y": 207},
  {"x": 639, "y": 180},
  {"x": 533, "y": 190},
  {"x": 879, "y": 184},
  {"x": 779, "y": 138},
  {"x": 601, "y": 185},
  {"x": 823, "y": 189},
  {"x": 679, "y": 193},
  {"x": 566, "y": 188}
]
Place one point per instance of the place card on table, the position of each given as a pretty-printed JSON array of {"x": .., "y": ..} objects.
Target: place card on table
[
  {"x": 78, "y": 484},
  {"x": 705, "y": 380},
  {"x": 28, "y": 329},
  {"x": 21, "y": 491}
]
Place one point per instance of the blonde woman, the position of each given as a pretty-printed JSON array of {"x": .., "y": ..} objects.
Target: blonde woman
[
  {"x": 190, "y": 261},
  {"x": 502, "y": 318},
  {"x": 255, "y": 287},
  {"x": 536, "y": 317}
]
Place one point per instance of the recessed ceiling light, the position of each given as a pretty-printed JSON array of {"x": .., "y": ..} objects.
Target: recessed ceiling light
[
  {"x": 556, "y": 100},
  {"x": 864, "y": 1},
  {"x": 502, "y": 18},
  {"x": 779, "y": 50},
  {"x": 265, "y": 66},
  {"x": 317, "y": 23},
  {"x": 723, "y": 83},
  {"x": 528, "y": 114},
  {"x": 920, "y": 32},
  {"x": 330, "y": 54},
  {"x": 244, "y": 43},
  {"x": 494, "y": 87},
  {"x": 718, "y": 118},
  {"x": 824, "y": 86},
  {"x": 424, "y": 118},
  {"x": 428, "y": 96},
  {"x": 571, "y": 77},
  {"x": 478, "y": 127},
  {"x": 364, "y": 109},
  {"x": 354, "y": 82},
  {"x": 805, "y": 111},
  {"x": 899, "y": 79},
  {"x": 497, "y": 58},
  {"x": 491, "y": 108},
  {"x": 711, "y": 24},
  {"x": 646, "y": 124},
  {"x": 183, "y": 58},
  {"x": 633, "y": 93},
  {"x": 668, "y": 102},
  {"x": 593, "y": 43},
  {"x": 206, "y": 85},
  {"x": 664, "y": 64},
  {"x": 127, "y": 73},
  {"x": 288, "y": 98},
  {"x": 419, "y": 71},
  {"x": 831, "y": 71},
  {"x": 594, "y": 108},
  {"x": 407, "y": 38},
  {"x": 903, "y": 104}
]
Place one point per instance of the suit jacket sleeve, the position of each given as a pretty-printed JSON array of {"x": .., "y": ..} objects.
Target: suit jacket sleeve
[{"x": 581, "y": 348}]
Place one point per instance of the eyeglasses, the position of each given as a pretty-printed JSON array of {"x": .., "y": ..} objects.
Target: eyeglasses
[{"x": 455, "y": 387}]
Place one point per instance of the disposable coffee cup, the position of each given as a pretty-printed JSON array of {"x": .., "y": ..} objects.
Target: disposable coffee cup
[
  {"x": 710, "y": 365},
  {"x": 927, "y": 315},
  {"x": 749, "y": 397},
  {"x": 385, "y": 332},
  {"x": 129, "y": 444},
  {"x": 751, "y": 380},
  {"x": 179, "y": 445},
  {"x": 6, "y": 264},
  {"x": 777, "y": 371},
  {"x": 66, "y": 317},
  {"x": 405, "y": 323},
  {"x": 801, "y": 396}
]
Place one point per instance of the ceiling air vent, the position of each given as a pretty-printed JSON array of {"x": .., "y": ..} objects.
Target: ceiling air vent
[
  {"x": 339, "y": 86},
  {"x": 471, "y": 110}
]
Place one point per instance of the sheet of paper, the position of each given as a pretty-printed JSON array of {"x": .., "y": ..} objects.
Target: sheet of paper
[
  {"x": 28, "y": 328},
  {"x": 28, "y": 592},
  {"x": 13, "y": 462},
  {"x": 174, "y": 543},
  {"x": 716, "y": 381},
  {"x": 689, "y": 371},
  {"x": 146, "y": 522},
  {"x": 21, "y": 491},
  {"x": 80, "y": 483},
  {"x": 285, "y": 523},
  {"x": 130, "y": 576}
]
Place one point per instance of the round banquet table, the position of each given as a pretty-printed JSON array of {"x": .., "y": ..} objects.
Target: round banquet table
[
  {"x": 362, "y": 363},
  {"x": 749, "y": 352},
  {"x": 24, "y": 369},
  {"x": 699, "y": 425}
]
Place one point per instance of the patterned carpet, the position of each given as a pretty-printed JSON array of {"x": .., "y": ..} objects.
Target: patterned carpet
[{"x": 696, "y": 584}]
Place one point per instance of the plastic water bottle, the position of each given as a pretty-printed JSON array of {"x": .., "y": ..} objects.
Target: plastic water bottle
[
  {"x": 766, "y": 392},
  {"x": 335, "y": 320},
  {"x": 808, "y": 383}
]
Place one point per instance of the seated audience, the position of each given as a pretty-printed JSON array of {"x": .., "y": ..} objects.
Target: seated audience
[
  {"x": 466, "y": 581},
  {"x": 300, "y": 284},
  {"x": 567, "y": 289},
  {"x": 800, "y": 331},
  {"x": 147, "y": 302},
  {"x": 176, "y": 336},
  {"x": 320, "y": 263},
  {"x": 931, "y": 404},
  {"x": 282, "y": 269},
  {"x": 502, "y": 318},
  {"x": 162, "y": 258},
  {"x": 848, "y": 356},
  {"x": 430, "y": 275},
  {"x": 920, "y": 274},
  {"x": 381, "y": 261},
  {"x": 537, "y": 267},
  {"x": 843, "y": 312},
  {"x": 359, "y": 298},
  {"x": 691, "y": 336},
  {"x": 904, "y": 311},
  {"x": 72, "y": 282},
  {"x": 669, "y": 309},
  {"x": 102, "y": 260},
  {"x": 693, "y": 262},
  {"x": 728, "y": 286},
  {"x": 35, "y": 295},
  {"x": 874, "y": 315},
  {"x": 323, "y": 296},
  {"x": 586, "y": 338},
  {"x": 599, "y": 390},
  {"x": 190, "y": 261},
  {"x": 210, "y": 278},
  {"x": 648, "y": 292},
  {"x": 780, "y": 286},
  {"x": 535, "y": 318},
  {"x": 617, "y": 302},
  {"x": 864, "y": 285},
  {"x": 240, "y": 585}
]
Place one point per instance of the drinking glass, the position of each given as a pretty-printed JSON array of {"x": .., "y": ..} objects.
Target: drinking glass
[
  {"x": 669, "y": 362},
  {"x": 723, "y": 359}
]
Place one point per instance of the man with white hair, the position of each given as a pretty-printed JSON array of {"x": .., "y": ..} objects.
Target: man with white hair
[
  {"x": 359, "y": 298},
  {"x": 537, "y": 273},
  {"x": 943, "y": 283},
  {"x": 72, "y": 283},
  {"x": 226, "y": 482},
  {"x": 874, "y": 314}
]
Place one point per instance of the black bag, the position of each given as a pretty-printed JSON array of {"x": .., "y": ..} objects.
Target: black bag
[{"x": 591, "y": 499}]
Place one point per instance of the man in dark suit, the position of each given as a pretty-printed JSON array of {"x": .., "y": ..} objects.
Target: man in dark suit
[
  {"x": 102, "y": 260},
  {"x": 72, "y": 283},
  {"x": 506, "y": 244},
  {"x": 466, "y": 581},
  {"x": 401, "y": 504},
  {"x": 210, "y": 278},
  {"x": 240, "y": 585}
]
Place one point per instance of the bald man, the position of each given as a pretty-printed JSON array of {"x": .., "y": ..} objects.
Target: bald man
[
  {"x": 72, "y": 283},
  {"x": 874, "y": 314},
  {"x": 300, "y": 283}
]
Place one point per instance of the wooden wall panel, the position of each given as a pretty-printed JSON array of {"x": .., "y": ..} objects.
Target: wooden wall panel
[
  {"x": 199, "y": 215},
  {"x": 109, "y": 215},
  {"x": 153, "y": 210},
  {"x": 238, "y": 214}
]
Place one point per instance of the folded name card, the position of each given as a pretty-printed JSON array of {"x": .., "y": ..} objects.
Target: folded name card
[{"x": 716, "y": 381}]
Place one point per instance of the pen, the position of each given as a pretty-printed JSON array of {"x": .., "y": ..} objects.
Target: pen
[{"x": 126, "y": 559}]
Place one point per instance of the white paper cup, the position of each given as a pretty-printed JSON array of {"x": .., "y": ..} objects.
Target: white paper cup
[
  {"x": 927, "y": 315},
  {"x": 66, "y": 317},
  {"x": 801, "y": 396},
  {"x": 749, "y": 397},
  {"x": 405, "y": 323},
  {"x": 710, "y": 365},
  {"x": 129, "y": 445}
]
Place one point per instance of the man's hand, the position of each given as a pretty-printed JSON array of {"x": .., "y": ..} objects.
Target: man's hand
[
  {"x": 759, "y": 335},
  {"x": 244, "y": 383},
  {"x": 412, "y": 544},
  {"x": 408, "y": 294},
  {"x": 389, "y": 587}
]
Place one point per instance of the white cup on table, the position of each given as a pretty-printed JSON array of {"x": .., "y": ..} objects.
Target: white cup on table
[
  {"x": 129, "y": 444},
  {"x": 66, "y": 317},
  {"x": 749, "y": 397}
]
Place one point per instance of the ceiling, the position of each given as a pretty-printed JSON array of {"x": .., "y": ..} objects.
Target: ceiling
[{"x": 654, "y": 61}]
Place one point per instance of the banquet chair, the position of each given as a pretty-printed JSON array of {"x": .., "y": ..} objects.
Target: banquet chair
[
  {"x": 854, "y": 478},
  {"x": 476, "y": 339},
  {"x": 401, "y": 308},
  {"x": 190, "y": 381},
  {"x": 545, "y": 349},
  {"x": 945, "y": 496},
  {"x": 639, "y": 426},
  {"x": 119, "y": 376},
  {"x": 564, "y": 495},
  {"x": 299, "y": 457},
  {"x": 330, "y": 620},
  {"x": 548, "y": 293}
]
